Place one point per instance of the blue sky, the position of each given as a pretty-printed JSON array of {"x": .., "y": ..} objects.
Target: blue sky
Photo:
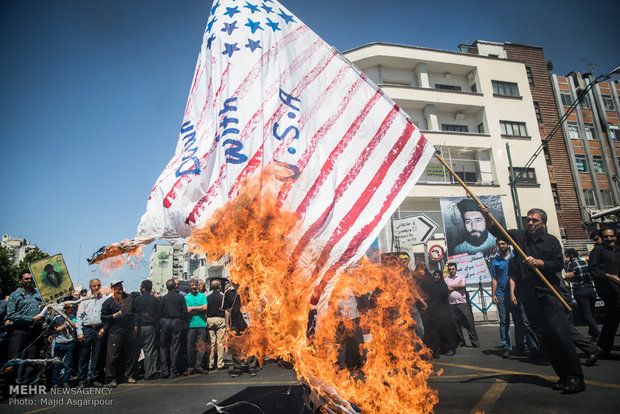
[{"x": 93, "y": 93}]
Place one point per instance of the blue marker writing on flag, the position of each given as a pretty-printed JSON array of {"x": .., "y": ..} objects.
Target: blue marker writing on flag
[
  {"x": 233, "y": 152},
  {"x": 189, "y": 151},
  {"x": 289, "y": 101}
]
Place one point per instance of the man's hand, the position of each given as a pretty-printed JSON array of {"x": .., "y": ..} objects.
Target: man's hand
[
  {"x": 135, "y": 332},
  {"x": 513, "y": 299},
  {"x": 534, "y": 263},
  {"x": 101, "y": 333},
  {"x": 495, "y": 299},
  {"x": 80, "y": 337},
  {"x": 424, "y": 304},
  {"x": 569, "y": 275},
  {"x": 37, "y": 318},
  {"x": 613, "y": 278},
  {"x": 118, "y": 314}
]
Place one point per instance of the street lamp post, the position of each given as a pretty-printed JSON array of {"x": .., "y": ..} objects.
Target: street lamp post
[{"x": 514, "y": 179}]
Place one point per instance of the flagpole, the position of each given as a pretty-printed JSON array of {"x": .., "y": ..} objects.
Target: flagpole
[{"x": 504, "y": 232}]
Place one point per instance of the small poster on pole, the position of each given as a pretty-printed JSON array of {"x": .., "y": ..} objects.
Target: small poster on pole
[{"x": 52, "y": 278}]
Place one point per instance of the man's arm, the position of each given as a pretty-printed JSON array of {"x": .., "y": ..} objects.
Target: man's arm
[
  {"x": 79, "y": 321},
  {"x": 555, "y": 263},
  {"x": 11, "y": 310},
  {"x": 227, "y": 319},
  {"x": 513, "y": 297},
  {"x": 493, "y": 289}
]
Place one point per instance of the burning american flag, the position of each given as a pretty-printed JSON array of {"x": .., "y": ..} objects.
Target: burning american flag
[
  {"x": 291, "y": 161},
  {"x": 269, "y": 92}
]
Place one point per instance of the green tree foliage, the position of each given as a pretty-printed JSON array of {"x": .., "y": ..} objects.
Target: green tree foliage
[
  {"x": 8, "y": 281},
  {"x": 9, "y": 273}
]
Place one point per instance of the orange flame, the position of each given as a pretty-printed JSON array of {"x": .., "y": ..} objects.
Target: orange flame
[
  {"x": 256, "y": 232},
  {"x": 118, "y": 255}
]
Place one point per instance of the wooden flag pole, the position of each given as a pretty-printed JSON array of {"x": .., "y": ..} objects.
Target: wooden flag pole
[{"x": 504, "y": 232}]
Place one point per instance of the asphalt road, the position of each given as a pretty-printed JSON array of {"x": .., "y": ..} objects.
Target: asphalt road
[{"x": 474, "y": 380}]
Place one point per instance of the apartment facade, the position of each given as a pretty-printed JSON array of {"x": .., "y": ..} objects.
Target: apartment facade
[
  {"x": 476, "y": 110},
  {"x": 161, "y": 266},
  {"x": 592, "y": 135},
  {"x": 176, "y": 261},
  {"x": 570, "y": 216}
]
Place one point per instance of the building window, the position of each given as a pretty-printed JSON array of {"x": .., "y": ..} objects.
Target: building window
[
  {"x": 481, "y": 128},
  {"x": 528, "y": 177},
  {"x": 547, "y": 155},
  {"x": 471, "y": 166},
  {"x": 608, "y": 103},
  {"x": 588, "y": 198},
  {"x": 556, "y": 196},
  {"x": 573, "y": 130},
  {"x": 538, "y": 114},
  {"x": 582, "y": 163},
  {"x": 584, "y": 101},
  {"x": 530, "y": 77},
  {"x": 615, "y": 133},
  {"x": 448, "y": 87},
  {"x": 567, "y": 100},
  {"x": 598, "y": 166},
  {"x": 590, "y": 132},
  {"x": 513, "y": 128},
  {"x": 505, "y": 88},
  {"x": 454, "y": 128},
  {"x": 474, "y": 88},
  {"x": 607, "y": 199}
]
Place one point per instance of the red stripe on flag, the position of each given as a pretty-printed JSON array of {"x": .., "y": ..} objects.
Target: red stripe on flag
[
  {"x": 363, "y": 234},
  {"x": 254, "y": 163},
  {"x": 246, "y": 83},
  {"x": 343, "y": 186},
  {"x": 197, "y": 77},
  {"x": 362, "y": 201},
  {"x": 329, "y": 164},
  {"x": 323, "y": 130}
]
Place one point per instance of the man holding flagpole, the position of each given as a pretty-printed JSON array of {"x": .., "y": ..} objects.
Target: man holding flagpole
[{"x": 543, "y": 309}]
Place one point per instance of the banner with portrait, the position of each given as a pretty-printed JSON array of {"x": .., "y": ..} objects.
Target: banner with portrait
[
  {"x": 468, "y": 241},
  {"x": 52, "y": 278}
]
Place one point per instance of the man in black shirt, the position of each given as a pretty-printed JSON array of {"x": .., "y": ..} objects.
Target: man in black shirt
[
  {"x": 216, "y": 325},
  {"x": 147, "y": 320},
  {"x": 173, "y": 320},
  {"x": 118, "y": 322},
  {"x": 235, "y": 323},
  {"x": 544, "y": 310},
  {"x": 605, "y": 269}
]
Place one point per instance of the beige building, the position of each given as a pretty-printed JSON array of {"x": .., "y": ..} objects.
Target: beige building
[
  {"x": 162, "y": 266},
  {"x": 18, "y": 245},
  {"x": 473, "y": 108}
]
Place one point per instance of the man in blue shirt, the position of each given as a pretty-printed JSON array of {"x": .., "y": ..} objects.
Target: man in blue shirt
[
  {"x": 26, "y": 337},
  {"x": 502, "y": 298}
]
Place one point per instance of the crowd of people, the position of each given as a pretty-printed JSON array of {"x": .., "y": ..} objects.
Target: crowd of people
[
  {"x": 106, "y": 338},
  {"x": 543, "y": 327},
  {"x": 121, "y": 337}
]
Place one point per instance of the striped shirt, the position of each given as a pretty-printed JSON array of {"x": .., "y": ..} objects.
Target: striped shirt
[{"x": 582, "y": 276}]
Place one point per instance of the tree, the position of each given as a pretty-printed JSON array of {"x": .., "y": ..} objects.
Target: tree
[
  {"x": 8, "y": 282},
  {"x": 10, "y": 273}
]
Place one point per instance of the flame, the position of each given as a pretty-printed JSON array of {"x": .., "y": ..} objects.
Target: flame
[
  {"x": 117, "y": 255},
  {"x": 257, "y": 234}
]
